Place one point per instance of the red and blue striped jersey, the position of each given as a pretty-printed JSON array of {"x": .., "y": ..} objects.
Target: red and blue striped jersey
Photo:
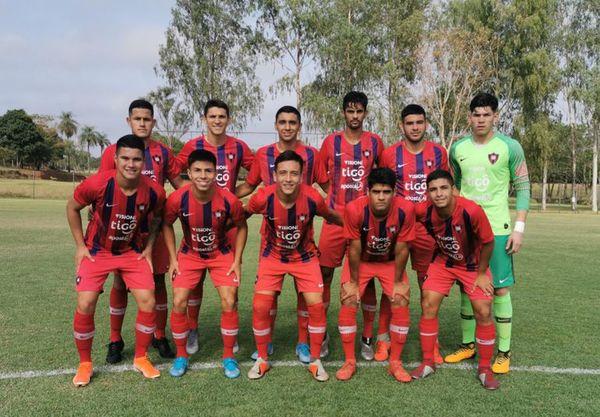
[
  {"x": 412, "y": 169},
  {"x": 232, "y": 155},
  {"x": 159, "y": 162},
  {"x": 288, "y": 233},
  {"x": 378, "y": 237},
  {"x": 203, "y": 224},
  {"x": 459, "y": 237},
  {"x": 348, "y": 166},
  {"x": 118, "y": 219},
  {"x": 264, "y": 165}
]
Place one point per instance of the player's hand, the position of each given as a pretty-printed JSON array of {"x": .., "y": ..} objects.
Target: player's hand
[
  {"x": 236, "y": 268},
  {"x": 174, "y": 269},
  {"x": 81, "y": 253},
  {"x": 484, "y": 282},
  {"x": 514, "y": 243},
  {"x": 349, "y": 290},
  {"x": 147, "y": 255},
  {"x": 401, "y": 290}
]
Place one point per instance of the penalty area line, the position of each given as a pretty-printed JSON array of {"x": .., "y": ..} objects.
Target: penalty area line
[{"x": 114, "y": 369}]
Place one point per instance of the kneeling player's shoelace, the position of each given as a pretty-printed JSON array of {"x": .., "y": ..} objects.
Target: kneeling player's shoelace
[
  {"x": 231, "y": 368},
  {"x": 303, "y": 352},
  {"x": 254, "y": 355},
  {"x": 179, "y": 367}
]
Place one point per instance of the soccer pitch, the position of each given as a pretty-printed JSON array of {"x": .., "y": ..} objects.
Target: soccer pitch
[{"x": 556, "y": 367}]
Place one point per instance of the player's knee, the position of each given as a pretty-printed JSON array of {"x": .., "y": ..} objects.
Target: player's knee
[
  {"x": 228, "y": 302},
  {"x": 146, "y": 303},
  {"x": 180, "y": 304},
  {"x": 429, "y": 307},
  {"x": 350, "y": 302},
  {"x": 499, "y": 292},
  {"x": 483, "y": 312},
  {"x": 86, "y": 306}
]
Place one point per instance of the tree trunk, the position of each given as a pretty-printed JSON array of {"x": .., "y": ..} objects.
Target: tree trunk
[
  {"x": 574, "y": 170},
  {"x": 595, "y": 169},
  {"x": 545, "y": 184}
]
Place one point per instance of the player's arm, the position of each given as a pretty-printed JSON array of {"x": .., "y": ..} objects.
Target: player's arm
[
  {"x": 519, "y": 178},
  {"x": 240, "y": 243},
  {"x": 401, "y": 288},
  {"x": 177, "y": 182},
  {"x": 244, "y": 189},
  {"x": 74, "y": 218},
  {"x": 334, "y": 217},
  {"x": 455, "y": 166},
  {"x": 483, "y": 281},
  {"x": 351, "y": 289},
  {"x": 169, "y": 236}
]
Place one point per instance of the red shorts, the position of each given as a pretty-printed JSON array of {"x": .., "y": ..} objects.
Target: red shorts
[
  {"x": 332, "y": 245},
  {"x": 160, "y": 256},
  {"x": 440, "y": 279},
  {"x": 192, "y": 269},
  {"x": 421, "y": 250},
  {"x": 383, "y": 271},
  {"x": 135, "y": 273},
  {"x": 270, "y": 274}
]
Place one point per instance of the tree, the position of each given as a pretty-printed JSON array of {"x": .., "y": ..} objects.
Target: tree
[
  {"x": 173, "y": 119},
  {"x": 88, "y": 138},
  {"x": 102, "y": 141},
  {"x": 19, "y": 134},
  {"x": 211, "y": 52},
  {"x": 67, "y": 125}
]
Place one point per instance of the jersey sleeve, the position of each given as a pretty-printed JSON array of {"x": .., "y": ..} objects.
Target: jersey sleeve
[
  {"x": 407, "y": 230},
  {"x": 322, "y": 209},
  {"x": 482, "y": 225},
  {"x": 247, "y": 156},
  {"x": 183, "y": 155},
  {"x": 172, "y": 167},
  {"x": 420, "y": 211},
  {"x": 386, "y": 159},
  {"x": 445, "y": 165},
  {"x": 519, "y": 175},
  {"x": 454, "y": 166},
  {"x": 319, "y": 172},
  {"x": 380, "y": 147},
  {"x": 237, "y": 212},
  {"x": 351, "y": 222},
  {"x": 87, "y": 192},
  {"x": 107, "y": 160},
  {"x": 161, "y": 198},
  {"x": 172, "y": 208},
  {"x": 257, "y": 202},
  {"x": 324, "y": 154},
  {"x": 253, "y": 177}
]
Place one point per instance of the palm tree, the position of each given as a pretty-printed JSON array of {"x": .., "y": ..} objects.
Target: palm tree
[
  {"x": 87, "y": 138},
  {"x": 102, "y": 141},
  {"x": 67, "y": 126}
]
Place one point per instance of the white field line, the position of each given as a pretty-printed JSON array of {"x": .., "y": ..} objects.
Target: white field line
[{"x": 289, "y": 364}]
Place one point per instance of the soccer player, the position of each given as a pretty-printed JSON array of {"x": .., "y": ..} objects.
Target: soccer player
[
  {"x": 288, "y": 123},
  {"x": 288, "y": 247},
  {"x": 485, "y": 165},
  {"x": 159, "y": 166},
  {"x": 379, "y": 227},
  {"x": 465, "y": 243},
  {"x": 412, "y": 159},
  {"x": 348, "y": 157},
  {"x": 124, "y": 200},
  {"x": 204, "y": 211},
  {"x": 231, "y": 154}
]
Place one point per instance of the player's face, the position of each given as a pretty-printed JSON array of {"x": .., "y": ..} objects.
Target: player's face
[
  {"x": 202, "y": 174},
  {"x": 354, "y": 115},
  {"x": 288, "y": 176},
  {"x": 216, "y": 120},
  {"x": 440, "y": 192},
  {"x": 141, "y": 123},
  {"x": 287, "y": 126},
  {"x": 129, "y": 162},
  {"x": 380, "y": 198},
  {"x": 414, "y": 126},
  {"x": 482, "y": 120}
]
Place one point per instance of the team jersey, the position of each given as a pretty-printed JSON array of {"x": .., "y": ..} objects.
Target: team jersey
[
  {"x": 483, "y": 173},
  {"x": 264, "y": 165},
  {"x": 232, "y": 155},
  {"x": 459, "y": 237},
  {"x": 412, "y": 169},
  {"x": 349, "y": 166},
  {"x": 159, "y": 163},
  {"x": 288, "y": 233},
  {"x": 117, "y": 219},
  {"x": 203, "y": 224},
  {"x": 378, "y": 237}
]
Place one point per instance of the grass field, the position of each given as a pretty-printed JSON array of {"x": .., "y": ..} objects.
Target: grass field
[{"x": 554, "y": 330}]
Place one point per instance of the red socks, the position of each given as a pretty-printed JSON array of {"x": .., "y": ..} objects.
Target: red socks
[
  {"x": 117, "y": 306},
  {"x": 317, "y": 326},
  {"x": 486, "y": 337},
  {"x": 83, "y": 331},
  {"x": 302, "y": 311},
  {"x": 229, "y": 331},
  {"x": 368, "y": 302},
  {"x": 144, "y": 329},
  {"x": 180, "y": 329},
  {"x": 194, "y": 303},
  {"x": 273, "y": 313},
  {"x": 261, "y": 322},
  {"x": 398, "y": 331},
  {"x": 347, "y": 328},
  {"x": 161, "y": 308},
  {"x": 385, "y": 315},
  {"x": 428, "y": 329}
]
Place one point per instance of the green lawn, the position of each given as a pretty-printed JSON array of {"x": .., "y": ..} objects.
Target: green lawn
[{"x": 556, "y": 294}]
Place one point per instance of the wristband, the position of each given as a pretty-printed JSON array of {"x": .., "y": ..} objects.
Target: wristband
[{"x": 519, "y": 226}]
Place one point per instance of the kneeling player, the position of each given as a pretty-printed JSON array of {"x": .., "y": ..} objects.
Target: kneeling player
[
  {"x": 465, "y": 243},
  {"x": 204, "y": 210},
  {"x": 379, "y": 227},
  {"x": 123, "y": 200},
  {"x": 288, "y": 247}
]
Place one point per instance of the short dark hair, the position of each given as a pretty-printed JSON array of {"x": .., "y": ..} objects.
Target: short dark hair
[
  {"x": 382, "y": 176},
  {"x": 289, "y": 156},
  {"x": 355, "y": 97},
  {"x": 131, "y": 141},
  {"x": 141, "y": 104},
  {"x": 484, "y": 100},
  {"x": 213, "y": 102},
  {"x": 412, "y": 109},
  {"x": 440, "y": 174},
  {"x": 288, "y": 109},
  {"x": 201, "y": 155}
]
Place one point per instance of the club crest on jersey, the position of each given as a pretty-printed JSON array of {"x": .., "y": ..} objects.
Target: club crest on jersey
[
  {"x": 230, "y": 156},
  {"x": 429, "y": 163},
  {"x": 141, "y": 207},
  {"x": 367, "y": 153},
  {"x": 156, "y": 159},
  {"x": 77, "y": 280},
  {"x": 302, "y": 218},
  {"x": 493, "y": 157},
  {"x": 392, "y": 229},
  {"x": 458, "y": 228},
  {"x": 218, "y": 214}
]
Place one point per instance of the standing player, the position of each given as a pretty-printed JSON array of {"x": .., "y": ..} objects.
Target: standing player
[
  {"x": 412, "y": 160},
  {"x": 485, "y": 165},
  {"x": 288, "y": 124},
  {"x": 159, "y": 165},
  {"x": 288, "y": 247},
  {"x": 348, "y": 157},
  {"x": 204, "y": 211},
  {"x": 231, "y": 154},
  {"x": 123, "y": 200},
  {"x": 465, "y": 243},
  {"x": 379, "y": 227}
]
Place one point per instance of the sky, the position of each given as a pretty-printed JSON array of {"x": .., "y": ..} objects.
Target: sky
[{"x": 93, "y": 58}]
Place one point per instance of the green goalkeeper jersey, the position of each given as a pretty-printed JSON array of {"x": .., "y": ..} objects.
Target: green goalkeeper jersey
[{"x": 484, "y": 173}]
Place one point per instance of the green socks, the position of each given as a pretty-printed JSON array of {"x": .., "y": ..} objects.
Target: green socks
[
  {"x": 503, "y": 312},
  {"x": 467, "y": 321}
]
